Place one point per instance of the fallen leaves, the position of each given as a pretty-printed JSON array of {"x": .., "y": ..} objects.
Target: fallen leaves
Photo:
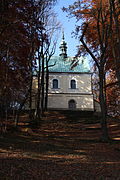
[{"x": 60, "y": 150}]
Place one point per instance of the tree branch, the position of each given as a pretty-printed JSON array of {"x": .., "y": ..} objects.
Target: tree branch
[{"x": 86, "y": 47}]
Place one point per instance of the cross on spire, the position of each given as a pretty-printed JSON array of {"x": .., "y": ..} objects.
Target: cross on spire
[{"x": 63, "y": 36}]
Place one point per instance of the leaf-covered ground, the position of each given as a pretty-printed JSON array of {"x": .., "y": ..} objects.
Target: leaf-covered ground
[{"x": 65, "y": 147}]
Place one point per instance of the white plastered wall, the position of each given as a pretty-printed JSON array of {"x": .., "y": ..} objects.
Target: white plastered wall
[
  {"x": 83, "y": 83},
  {"x": 82, "y": 95},
  {"x": 83, "y": 102}
]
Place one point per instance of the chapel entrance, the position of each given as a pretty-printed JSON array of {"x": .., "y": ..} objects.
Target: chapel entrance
[{"x": 72, "y": 104}]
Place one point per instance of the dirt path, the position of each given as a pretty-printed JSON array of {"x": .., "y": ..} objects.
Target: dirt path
[{"x": 62, "y": 149}]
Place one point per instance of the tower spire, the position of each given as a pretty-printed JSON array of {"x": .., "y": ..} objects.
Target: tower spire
[{"x": 63, "y": 47}]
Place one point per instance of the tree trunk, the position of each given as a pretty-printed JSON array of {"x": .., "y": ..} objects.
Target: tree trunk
[
  {"x": 30, "y": 97},
  {"x": 38, "y": 113},
  {"x": 42, "y": 81},
  {"x": 105, "y": 136},
  {"x": 47, "y": 85}
]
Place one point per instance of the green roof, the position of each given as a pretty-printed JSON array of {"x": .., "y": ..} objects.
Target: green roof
[{"x": 69, "y": 64}]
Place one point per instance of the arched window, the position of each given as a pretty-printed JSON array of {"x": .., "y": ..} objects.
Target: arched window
[
  {"x": 73, "y": 84},
  {"x": 55, "y": 83},
  {"x": 72, "y": 104}
]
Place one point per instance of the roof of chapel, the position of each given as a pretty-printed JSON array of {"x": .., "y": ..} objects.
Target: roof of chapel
[{"x": 69, "y": 64}]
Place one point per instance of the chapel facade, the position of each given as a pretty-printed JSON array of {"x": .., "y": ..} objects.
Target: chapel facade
[{"x": 70, "y": 85}]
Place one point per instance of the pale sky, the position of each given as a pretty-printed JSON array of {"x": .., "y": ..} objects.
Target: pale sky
[{"x": 68, "y": 25}]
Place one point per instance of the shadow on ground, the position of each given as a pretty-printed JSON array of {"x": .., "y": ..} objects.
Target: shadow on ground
[{"x": 61, "y": 149}]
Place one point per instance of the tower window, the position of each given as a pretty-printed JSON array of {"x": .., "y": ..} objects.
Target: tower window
[
  {"x": 55, "y": 83},
  {"x": 73, "y": 84}
]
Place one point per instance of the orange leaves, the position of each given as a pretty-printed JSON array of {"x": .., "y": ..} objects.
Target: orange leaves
[{"x": 113, "y": 94}]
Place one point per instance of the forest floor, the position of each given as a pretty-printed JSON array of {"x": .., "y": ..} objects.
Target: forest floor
[{"x": 65, "y": 147}]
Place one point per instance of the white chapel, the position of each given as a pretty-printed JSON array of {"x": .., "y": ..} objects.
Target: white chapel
[{"x": 70, "y": 86}]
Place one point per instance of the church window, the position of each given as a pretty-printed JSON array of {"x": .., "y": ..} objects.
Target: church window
[
  {"x": 55, "y": 83},
  {"x": 73, "y": 84}
]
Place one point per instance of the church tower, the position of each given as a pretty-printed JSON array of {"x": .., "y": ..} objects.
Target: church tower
[{"x": 63, "y": 47}]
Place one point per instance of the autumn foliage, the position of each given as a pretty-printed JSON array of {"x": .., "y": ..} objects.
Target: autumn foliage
[
  {"x": 23, "y": 36},
  {"x": 14, "y": 52},
  {"x": 97, "y": 28}
]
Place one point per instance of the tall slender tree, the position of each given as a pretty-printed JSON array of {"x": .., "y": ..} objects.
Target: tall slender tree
[{"x": 96, "y": 29}]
